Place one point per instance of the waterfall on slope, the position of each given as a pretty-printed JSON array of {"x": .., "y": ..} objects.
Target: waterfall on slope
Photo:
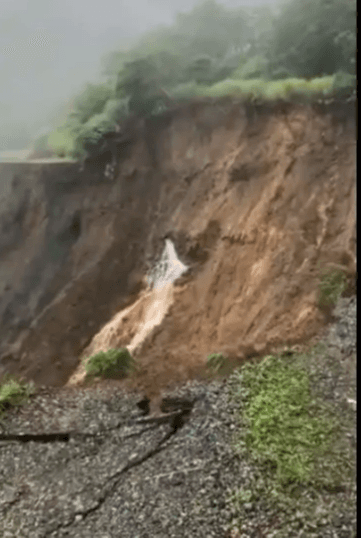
[
  {"x": 161, "y": 279},
  {"x": 168, "y": 269}
]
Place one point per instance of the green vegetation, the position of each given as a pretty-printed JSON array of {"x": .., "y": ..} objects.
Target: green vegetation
[
  {"x": 344, "y": 84},
  {"x": 14, "y": 393},
  {"x": 253, "y": 68},
  {"x": 305, "y": 43},
  {"x": 216, "y": 362},
  {"x": 111, "y": 363},
  {"x": 332, "y": 285},
  {"x": 258, "y": 88},
  {"x": 294, "y": 438},
  {"x": 62, "y": 142},
  {"x": 286, "y": 430},
  {"x": 304, "y": 47}
]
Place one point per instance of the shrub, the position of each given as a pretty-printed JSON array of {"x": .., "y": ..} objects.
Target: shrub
[
  {"x": 74, "y": 139},
  {"x": 140, "y": 82},
  {"x": 186, "y": 90},
  {"x": 256, "y": 88},
  {"x": 344, "y": 84},
  {"x": 322, "y": 84},
  {"x": 216, "y": 362},
  {"x": 116, "y": 109},
  {"x": 62, "y": 142},
  {"x": 332, "y": 285},
  {"x": 277, "y": 89},
  {"x": 92, "y": 132},
  {"x": 245, "y": 88},
  {"x": 201, "y": 70},
  {"x": 296, "y": 86},
  {"x": 91, "y": 102},
  {"x": 14, "y": 393},
  {"x": 111, "y": 363}
]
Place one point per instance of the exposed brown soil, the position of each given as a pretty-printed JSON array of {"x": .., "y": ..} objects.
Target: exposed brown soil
[{"x": 257, "y": 201}]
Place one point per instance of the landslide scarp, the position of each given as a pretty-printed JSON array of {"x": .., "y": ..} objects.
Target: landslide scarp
[{"x": 256, "y": 198}]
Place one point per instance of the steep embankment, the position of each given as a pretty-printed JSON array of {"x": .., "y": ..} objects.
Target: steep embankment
[{"x": 256, "y": 198}]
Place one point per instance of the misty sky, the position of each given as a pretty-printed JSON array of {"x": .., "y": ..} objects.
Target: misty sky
[{"x": 50, "y": 48}]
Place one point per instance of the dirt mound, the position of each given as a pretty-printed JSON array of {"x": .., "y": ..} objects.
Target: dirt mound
[{"x": 257, "y": 202}]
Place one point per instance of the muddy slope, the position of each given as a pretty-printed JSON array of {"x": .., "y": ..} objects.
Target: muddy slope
[{"x": 256, "y": 199}]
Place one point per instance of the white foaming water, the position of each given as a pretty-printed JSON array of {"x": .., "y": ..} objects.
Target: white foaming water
[
  {"x": 152, "y": 306},
  {"x": 168, "y": 269},
  {"x": 161, "y": 279}
]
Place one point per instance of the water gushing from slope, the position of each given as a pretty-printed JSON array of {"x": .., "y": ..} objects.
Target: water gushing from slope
[
  {"x": 168, "y": 269},
  {"x": 161, "y": 279},
  {"x": 147, "y": 312}
]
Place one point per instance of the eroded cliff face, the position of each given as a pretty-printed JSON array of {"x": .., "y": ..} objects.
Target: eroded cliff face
[{"x": 256, "y": 200}]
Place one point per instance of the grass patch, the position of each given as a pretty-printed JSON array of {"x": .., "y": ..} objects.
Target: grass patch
[
  {"x": 332, "y": 285},
  {"x": 14, "y": 393},
  {"x": 111, "y": 363},
  {"x": 187, "y": 91},
  {"x": 296, "y": 440},
  {"x": 287, "y": 432},
  {"x": 322, "y": 84},
  {"x": 215, "y": 362},
  {"x": 220, "y": 365},
  {"x": 258, "y": 88},
  {"x": 95, "y": 115}
]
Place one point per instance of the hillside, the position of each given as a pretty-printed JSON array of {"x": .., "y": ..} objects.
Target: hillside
[{"x": 257, "y": 199}]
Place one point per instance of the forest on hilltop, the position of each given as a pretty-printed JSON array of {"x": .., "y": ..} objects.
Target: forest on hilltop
[{"x": 299, "y": 47}]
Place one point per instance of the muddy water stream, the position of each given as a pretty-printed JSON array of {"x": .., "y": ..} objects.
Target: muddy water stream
[
  {"x": 161, "y": 279},
  {"x": 144, "y": 315}
]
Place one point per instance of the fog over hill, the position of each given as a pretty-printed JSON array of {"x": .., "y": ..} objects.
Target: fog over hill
[{"x": 50, "y": 48}]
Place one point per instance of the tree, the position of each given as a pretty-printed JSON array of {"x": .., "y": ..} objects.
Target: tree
[
  {"x": 92, "y": 132},
  {"x": 210, "y": 30},
  {"x": 90, "y": 102},
  {"x": 201, "y": 70},
  {"x": 314, "y": 37},
  {"x": 254, "y": 67},
  {"x": 141, "y": 82}
]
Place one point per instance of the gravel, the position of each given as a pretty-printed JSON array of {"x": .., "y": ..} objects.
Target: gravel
[
  {"x": 130, "y": 478},
  {"x": 113, "y": 472}
]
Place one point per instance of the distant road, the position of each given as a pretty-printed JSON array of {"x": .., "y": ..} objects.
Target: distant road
[
  {"x": 21, "y": 155},
  {"x": 14, "y": 155}
]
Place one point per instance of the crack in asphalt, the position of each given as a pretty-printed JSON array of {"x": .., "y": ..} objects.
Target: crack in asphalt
[
  {"x": 37, "y": 437},
  {"x": 176, "y": 422},
  {"x": 65, "y": 436}
]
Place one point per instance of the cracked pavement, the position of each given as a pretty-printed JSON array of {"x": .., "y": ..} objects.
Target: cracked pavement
[
  {"x": 87, "y": 464},
  {"x": 90, "y": 462}
]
